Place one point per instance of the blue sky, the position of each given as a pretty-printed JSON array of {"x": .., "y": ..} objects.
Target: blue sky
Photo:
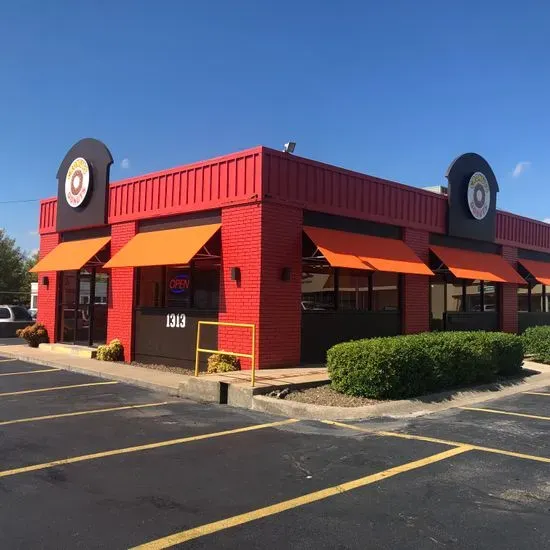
[{"x": 395, "y": 89}]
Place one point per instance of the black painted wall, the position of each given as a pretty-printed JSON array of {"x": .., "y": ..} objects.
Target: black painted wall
[
  {"x": 154, "y": 342},
  {"x": 461, "y": 223},
  {"x": 532, "y": 319},
  {"x": 93, "y": 212},
  {"x": 322, "y": 330}
]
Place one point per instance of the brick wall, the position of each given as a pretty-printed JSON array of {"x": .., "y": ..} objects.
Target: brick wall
[
  {"x": 239, "y": 301},
  {"x": 262, "y": 239},
  {"x": 509, "y": 295},
  {"x": 280, "y": 314},
  {"x": 121, "y": 291},
  {"x": 416, "y": 288},
  {"x": 47, "y": 295}
]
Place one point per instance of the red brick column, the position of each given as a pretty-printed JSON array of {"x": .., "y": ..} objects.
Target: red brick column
[
  {"x": 261, "y": 240},
  {"x": 47, "y": 295},
  {"x": 240, "y": 300},
  {"x": 280, "y": 312},
  {"x": 509, "y": 295},
  {"x": 416, "y": 288},
  {"x": 120, "y": 319}
]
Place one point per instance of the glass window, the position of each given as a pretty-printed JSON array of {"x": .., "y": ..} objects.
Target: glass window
[
  {"x": 537, "y": 303},
  {"x": 20, "y": 314},
  {"x": 318, "y": 288},
  {"x": 4, "y": 313},
  {"x": 490, "y": 296},
  {"x": 454, "y": 297},
  {"x": 473, "y": 296},
  {"x": 206, "y": 286},
  {"x": 523, "y": 298},
  {"x": 181, "y": 287},
  {"x": 178, "y": 287},
  {"x": 437, "y": 301},
  {"x": 353, "y": 290},
  {"x": 385, "y": 291},
  {"x": 150, "y": 287}
]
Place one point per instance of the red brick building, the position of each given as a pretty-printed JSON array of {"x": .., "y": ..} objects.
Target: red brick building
[{"x": 312, "y": 254}]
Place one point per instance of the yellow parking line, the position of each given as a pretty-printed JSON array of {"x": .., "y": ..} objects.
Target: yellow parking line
[
  {"x": 82, "y": 413},
  {"x": 56, "y": 388},
  {"x": 28, "y": 372},
  {"x": 536, "y": 393},
  {"x": 127, "y": 450},
  {"x": 335, "y": 490},
  {"x": 496, "y": 411},
  {"x": 442, "y": 441}
]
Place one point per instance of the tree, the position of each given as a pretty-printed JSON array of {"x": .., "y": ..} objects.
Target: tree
[
  {"x": 14, "y": 277},
  {"x": 30, "y": 261}
]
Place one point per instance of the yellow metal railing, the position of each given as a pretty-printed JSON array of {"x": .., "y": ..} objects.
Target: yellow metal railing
[{"x": 251, "y": 356}]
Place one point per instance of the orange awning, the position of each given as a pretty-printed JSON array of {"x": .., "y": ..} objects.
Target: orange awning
[
  {"x": 355, "y": 251},
  {"x": 466, "y": 264},
  {"x": 539, "y": 270},
  {"x": 167, "y": 247},
  {"x": 71, "y": 255}
]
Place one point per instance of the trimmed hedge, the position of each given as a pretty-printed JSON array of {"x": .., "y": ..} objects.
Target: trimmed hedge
[
  {"x": 407, "y": 366},
  {"x": 537, "y": 342}
]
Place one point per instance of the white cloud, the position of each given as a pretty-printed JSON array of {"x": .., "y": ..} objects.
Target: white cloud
[
  {"x": 33, "y": 232},
  {"x": 125, "y": 164},
  {"x": 546, "y": 220},
  {"x": 34, "y": 251},
  {"x": 520, "y": 168}
]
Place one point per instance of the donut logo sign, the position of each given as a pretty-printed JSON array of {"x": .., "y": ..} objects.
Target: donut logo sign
[
  {"x": 479, "y": 195},
  {"x": 77, "y": 182}
]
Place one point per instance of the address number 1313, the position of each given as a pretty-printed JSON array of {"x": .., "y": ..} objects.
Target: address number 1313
[{"x": 175, "y": 320}]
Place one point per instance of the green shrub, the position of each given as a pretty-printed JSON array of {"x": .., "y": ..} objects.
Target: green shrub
[
  {"x": 407, "y": 366},
  {"x": 221, "y": 362},
  {"x": 114, "y": 351},
  {"x": 537, "y": 342},
  {"x": 34, "y": 334}
]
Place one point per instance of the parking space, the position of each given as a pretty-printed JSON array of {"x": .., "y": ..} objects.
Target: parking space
[{"x": 113, "y": 466}]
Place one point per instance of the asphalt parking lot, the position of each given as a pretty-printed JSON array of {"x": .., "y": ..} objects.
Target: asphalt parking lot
[{"x": 89, "y": 463}]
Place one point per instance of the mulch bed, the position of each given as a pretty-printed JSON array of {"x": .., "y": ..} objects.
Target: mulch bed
[
  {"x": 325, "y": 395},
  {"x": 165, "y": 368}
]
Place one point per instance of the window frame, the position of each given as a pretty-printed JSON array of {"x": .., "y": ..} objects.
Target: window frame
[
  {"x": 449, "y": 279},
  {"x": 163, "y": 290},
  {"x": 337, "y": 273},
  {"x": 531, "y": 283}
]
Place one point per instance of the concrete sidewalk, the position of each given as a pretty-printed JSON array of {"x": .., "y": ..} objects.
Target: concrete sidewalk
[
  {"x": 207, "y": 387},
  {"x": 234, "y": 388},
  {"x": 146, "y": 378}
]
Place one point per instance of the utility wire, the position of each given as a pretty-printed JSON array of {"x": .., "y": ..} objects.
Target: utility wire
[{"x": 20, "y": 200}]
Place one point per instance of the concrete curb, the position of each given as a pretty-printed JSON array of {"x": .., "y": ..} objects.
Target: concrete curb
[
  {"x": 202, "y": 390},
  {"x": 405, "y": 408},
  {"x": 109, "y": 372}
]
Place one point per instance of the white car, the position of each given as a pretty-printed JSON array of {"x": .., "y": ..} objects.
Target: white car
[{"x": 13, "y": 318}]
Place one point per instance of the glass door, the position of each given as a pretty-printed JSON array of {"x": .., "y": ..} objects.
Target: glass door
[
  {"x": 99, "y": 305},
  {"x": 67, "y": 307},
  {"x": 82, "y": 324},
  {"x": 83, "y": 307}
]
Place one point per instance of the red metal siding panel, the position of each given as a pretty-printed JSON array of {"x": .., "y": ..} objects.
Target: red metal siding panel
[
  {"x": 523, "y": 232},
  {"x": 317, "y": 186},
  {"x": 48, "y": 214}
]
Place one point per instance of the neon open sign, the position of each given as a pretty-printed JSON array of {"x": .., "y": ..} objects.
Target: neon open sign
[{"x": 179, "y": 283}]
